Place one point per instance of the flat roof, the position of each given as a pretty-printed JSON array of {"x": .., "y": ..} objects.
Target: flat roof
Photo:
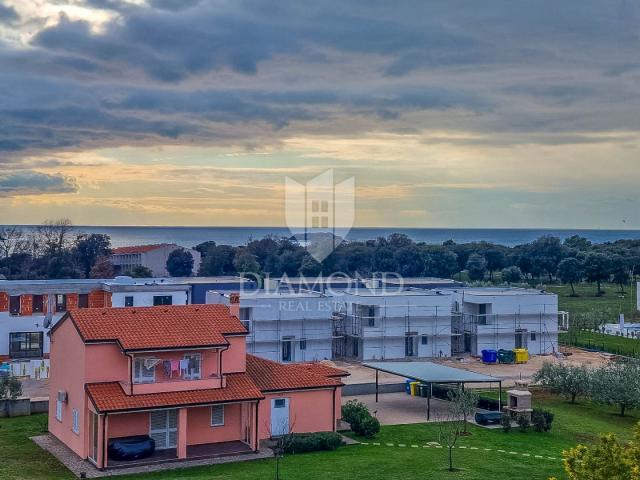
[
  {"x": 385, "y": 292},
  {"x": 430, "y": 372},
  {"x": 274, "y": 294},
  {"x": 505, "y": 292},
  {"x": 420, "y": 280}
]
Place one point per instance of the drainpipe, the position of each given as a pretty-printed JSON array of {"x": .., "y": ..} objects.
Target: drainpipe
[
  {"x": 222, "y": 350},
  {"x": 257, "y": 449},
  {"x": 104, "y": 441},
  {"x": 334, "y": 407},
  {"x": 130, "y": 372}
]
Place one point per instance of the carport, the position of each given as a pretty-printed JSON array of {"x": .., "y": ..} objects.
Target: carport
[{"x": 430, "y": 373}]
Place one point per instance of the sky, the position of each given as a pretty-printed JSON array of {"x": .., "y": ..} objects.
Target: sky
[{"x": 500, "y": 113}]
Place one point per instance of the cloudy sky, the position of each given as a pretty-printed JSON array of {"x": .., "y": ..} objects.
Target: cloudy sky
[{"x": 447, "y": 113}]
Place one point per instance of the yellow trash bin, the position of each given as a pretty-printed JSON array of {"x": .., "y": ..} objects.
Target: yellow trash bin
[
  {"x": 521, "y": 354},
  {"x": 414, "y": 388}
]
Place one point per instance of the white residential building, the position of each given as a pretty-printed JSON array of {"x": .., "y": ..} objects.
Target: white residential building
[
  {"x": 153, "y": 257},
  {"x": 284, "y": 326},
  {"x": 504, "y": 318},
  {"x": 375, "y": 324}
]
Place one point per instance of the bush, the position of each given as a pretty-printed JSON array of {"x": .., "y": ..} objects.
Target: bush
[
  {"x": 523, "y": 422},
  {"x": 366, "y": 426},
  {"x": 548, "y": 417},
  {"x": 538, "y": 420},
  {"x": 313, "y": 442},
  {"x": 353, "y": 410},
  {"x": 10, "y": 388},
  {"x": 505, "y": 421}
]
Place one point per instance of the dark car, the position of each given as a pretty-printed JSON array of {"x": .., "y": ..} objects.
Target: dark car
[{"x": 131, "y": 448}]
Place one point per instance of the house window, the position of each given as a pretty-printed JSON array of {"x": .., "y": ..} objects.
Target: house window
[
  {"x": 25, "y": 344},
  {"x": 38, "y": 304},
  {"x": 286, "y": 350},
  {"x": 59, "y": 410},
  {"x": 76, "y": 422},
  {"x": 83, "y": 300},
  {"x": 143, "y": 374},
  {"x": 425, "y": 340},
  {"x": 533, "y": 336},
  {"x": 162, "y": 300},
  {"x": 303, "y": 344},
  {"x": 194, "y": 368},
  {"x": 14, "y": 304},
  {"x": 279, "y": 403},
  {"x": 245, "y": 313},
  {"x": 61, "y": 303},
  {"x": 217, "y": 416},
  {"x": 128, "y": 301}
]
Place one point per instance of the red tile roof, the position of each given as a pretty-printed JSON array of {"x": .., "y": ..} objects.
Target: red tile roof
[
  {"x": 162, "y": 327},
  {"x": 272, "y": 376},
  {"x": 110, "y": 397},
  {"x": 324, "y": 369},
  {"x": 138, "y": 249}
]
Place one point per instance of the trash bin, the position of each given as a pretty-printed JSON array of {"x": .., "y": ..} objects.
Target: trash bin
[
  {"x": 521, "y": 355},
  {"x": 425, "y": 389},
  {"x": 489, "y": 356},
  {"x": 506, "y": 356},
  {"x": 414, "y": 388}
]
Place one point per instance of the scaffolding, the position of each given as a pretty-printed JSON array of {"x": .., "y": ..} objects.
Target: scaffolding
[{"x": 353, "y": 333}]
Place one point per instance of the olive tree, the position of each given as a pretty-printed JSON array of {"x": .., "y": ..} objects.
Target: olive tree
[
  {"x": 569, "y": 380},
  {"x": 617, "y": 384},
  {"x": 463, "y": 403}
]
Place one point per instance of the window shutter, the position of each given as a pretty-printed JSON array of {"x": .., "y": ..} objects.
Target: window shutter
[{"x": 217, "y": 415}]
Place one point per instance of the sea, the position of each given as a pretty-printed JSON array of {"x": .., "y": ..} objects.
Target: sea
[{"x": 191, "y": 236}]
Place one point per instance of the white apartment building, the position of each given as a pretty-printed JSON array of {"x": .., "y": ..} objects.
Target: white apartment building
[
  {"x": 504, "y": 318},
  {"x": 153, "y": 257},
  {"x": 377, "y": 324},
  {"x": 284, "y": 326},
  {"x": 28, "y": 308}
]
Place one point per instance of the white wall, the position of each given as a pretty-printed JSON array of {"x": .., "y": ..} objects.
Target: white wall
[{"x": 145, "y": 299}]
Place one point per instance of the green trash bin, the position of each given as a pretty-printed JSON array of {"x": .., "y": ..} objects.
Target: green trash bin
[{"x": 506, "y": 356}]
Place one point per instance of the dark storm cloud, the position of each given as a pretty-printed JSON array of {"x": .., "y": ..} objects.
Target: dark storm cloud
[
  {"x": 243, "y": 71},
  {"x": 34, "y": 183}
]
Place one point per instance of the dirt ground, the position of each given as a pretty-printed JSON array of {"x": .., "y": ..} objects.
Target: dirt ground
[{"x": 509, "y": 373}]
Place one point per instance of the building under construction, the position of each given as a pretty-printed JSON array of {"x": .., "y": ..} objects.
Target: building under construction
[{"x": 504, "y": 318}]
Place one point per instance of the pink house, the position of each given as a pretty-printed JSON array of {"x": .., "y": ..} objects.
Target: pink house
[{"x": 180, "y": 375}]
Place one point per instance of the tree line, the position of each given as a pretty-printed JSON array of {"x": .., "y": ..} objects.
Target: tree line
[{"x": 57, "y": 250}]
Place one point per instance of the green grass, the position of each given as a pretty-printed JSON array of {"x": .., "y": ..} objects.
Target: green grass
[
  {"x": 607, "y": 306},
  {"x": 606, "y": 343},
  {"x": 21, "y": 459}
]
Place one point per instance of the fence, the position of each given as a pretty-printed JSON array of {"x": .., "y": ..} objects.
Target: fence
[{"x": 599, "y": 342}]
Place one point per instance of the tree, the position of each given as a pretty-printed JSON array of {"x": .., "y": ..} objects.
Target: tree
[
  {"x": 180, "y": 263},
  {"x": 246, "y": 263},
  {"x": 609, "y": 459},
  {"x": 597, "y": 268},
  {"x": 441, "y": 262},
  {"x": 102, "y": 268},
  {"x": 568, "y": 380},
  {"x": 310, "y": 267},
  {"x": 620, "y": 271},
  {"x": 88, "y": 248},
  {"x": 54, "y": 236},
  {"x": 617, "y": 384},
  {"x": 546, "y": 253},
  {"x": 576, "y": 242},
  {"x": 512, "y": 274},
  {"x": 61, "y": 266},
  {"x": 218, "y": 261},
  {"x": 450, "y": 426},
  {"x": 571, "y": 271},
  {"x": 476, "y": 267},
  {"x": 12, "y": 241},
  {"x": 409, "y": 262},
  {"x": 496, "y": 260},
  {"x": 463, "y": 402},
  {"x": 140, "y": 272}
]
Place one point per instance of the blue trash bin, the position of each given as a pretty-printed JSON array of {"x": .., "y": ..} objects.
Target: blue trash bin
[{"x": 489, "y": 356}]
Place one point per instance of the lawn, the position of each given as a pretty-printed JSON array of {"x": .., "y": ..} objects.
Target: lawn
[
  {"x": 606, "y": 343},
  {"x": 607, "y": 306},
  {"x": 21, "y": 459}
]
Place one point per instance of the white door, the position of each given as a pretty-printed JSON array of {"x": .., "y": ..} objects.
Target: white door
[
  {"x": 279, "y": 416},
  {"x": 163, "y": 428}
]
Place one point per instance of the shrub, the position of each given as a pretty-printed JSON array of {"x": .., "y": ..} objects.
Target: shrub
[
  {"x": 313, "y": 442},
  {"x": 366, "y": 426},
  {"x": 523, "y": 423},
  {"x": 538, "y": 420},
  {"x": 10, "y": 388},
  {"x": 505, "y": 421},
  {"x": 353, "y": 410}
]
